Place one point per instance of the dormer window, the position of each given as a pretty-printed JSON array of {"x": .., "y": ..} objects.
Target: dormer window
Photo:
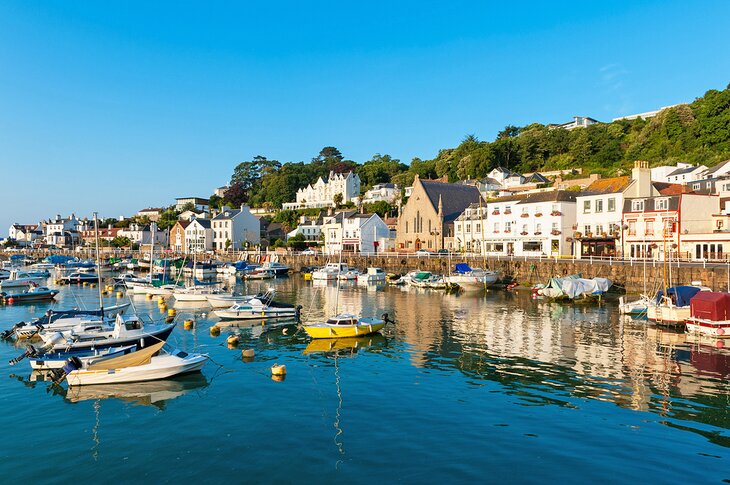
[
  {"x": 637, "y": 205},
  {"x": 661, "y": 204}
]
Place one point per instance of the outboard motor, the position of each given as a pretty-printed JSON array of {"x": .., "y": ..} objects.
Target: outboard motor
[
  {"x": 30, "y": 351},
  {"x": 72, "y": 364},
  {"x": 7, "y": 334}
]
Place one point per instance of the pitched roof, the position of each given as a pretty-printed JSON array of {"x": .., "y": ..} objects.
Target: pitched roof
[
  {"x": 551, "y": 196},
  {"x": 231, "y": 214},
  {"x": 203, "y": 222},
  {"x": 680, "y": 171},
  {"x": 454, "y": 197},
  {"x": 183, "y": 223},
  {"x": 667, "y": 189},
  {"x": 537, "y": 178},
  {"x": 712, "y": 170},
  {"x": 608, "y": 186}
]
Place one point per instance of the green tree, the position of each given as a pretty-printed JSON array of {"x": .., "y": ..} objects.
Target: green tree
[{"x": 337, "y": 199}]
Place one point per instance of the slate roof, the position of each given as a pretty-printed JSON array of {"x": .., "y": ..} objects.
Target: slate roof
[
  {"x": 537, "y": 178},
  {"x": 712, "y": 170},
  {"x": 680, "y": 171},
  {"x": 231, "y": 214},
  {"x": 551, "y": 196},
  {"x": 454, "y": 197},
  {"x": 203, "y": 222}
]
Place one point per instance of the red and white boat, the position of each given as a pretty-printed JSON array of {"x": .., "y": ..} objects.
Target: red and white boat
[{"x": 710, "y": 314}]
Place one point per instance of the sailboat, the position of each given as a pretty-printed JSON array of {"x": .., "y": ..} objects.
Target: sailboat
[{"x": 343, "y": 325}]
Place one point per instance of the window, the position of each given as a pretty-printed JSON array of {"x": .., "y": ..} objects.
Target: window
[
  {"x": 587, "y": 229},
  {"x": 507, "y": 226},
  {"x": 632, "y": 228},
  {"x": 532, "y": 246},
  {"x": 661, "y": 204},
  {"x": 538, "y": 228},
  {"x": 599, "y": 229},
  {"x": 479, "y": 228},
  {"x": 599, "y": 205},
  {"x": 586, "y": 207},
  {"x": 468, "y": 227},
  {"x": 555, "y": 226},
  {"x": 637, "y": 205},
  {"x": 496, "y": 227},
  {"x": 708, "y": 185},
  {"x": 524, "y": 227},
  {"x": 696, "y": 186},
  {"x": 649, "y": 228},
  {"x": 612, "y": 204}
]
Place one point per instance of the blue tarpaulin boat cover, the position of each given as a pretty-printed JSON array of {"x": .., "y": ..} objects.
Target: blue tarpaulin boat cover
[
  {"x": 680, "y": 294},
  {"x": 58, "y": 259},
  {"x": 462, "y": 268}
]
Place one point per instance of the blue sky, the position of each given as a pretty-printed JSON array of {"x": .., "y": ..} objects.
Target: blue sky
[{"x": 116, "y": 106}]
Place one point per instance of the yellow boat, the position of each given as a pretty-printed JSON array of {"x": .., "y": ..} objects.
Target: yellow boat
[{"x": 344, "y": 325}]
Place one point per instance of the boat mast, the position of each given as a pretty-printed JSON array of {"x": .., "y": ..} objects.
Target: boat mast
[
  {"x": 339, "y": 271},
  {"x": 153, "y": 231},
  {"x": 482, "y": 245},
  {"x": 98, "y": 262}
]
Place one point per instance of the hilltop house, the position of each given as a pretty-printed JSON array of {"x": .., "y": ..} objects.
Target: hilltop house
[
  {"x": 578, "y": 122},
  {"x": 382, "y": 192},
  {"x": 63, "y": 232},
  {"x": 151, "y": 213},
  {"x": 309, "y": 227},
  {"x": 199, "y": 204},
  {"x": 322, "y": 194},
  {"x": 234, "y": 227},
  {"x": 427, "y": 219}
]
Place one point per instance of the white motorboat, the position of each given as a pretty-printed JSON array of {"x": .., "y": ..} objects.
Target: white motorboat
[
  {"x": 260, "y": 274},
  {"x": 259, "y": 308},
  {"x": 330, "y": 271},
  {"x": 18, "y": 279},
  {"x": 372, "y": 275},
  {"x": 225, "y": 300},
  {"x": 471, "y": 278},
  {"x": 196, "y": 292},
  {"x": 277, "y": 268},
  {"x": 635, "y": 308},
  {"x": 78, "y": 277},
  {"x": 126, "y": 331},
  {"x": 62, "y": 320},
  {"x": 349, "y": 275},
  {"x": 148, "y": 364}
]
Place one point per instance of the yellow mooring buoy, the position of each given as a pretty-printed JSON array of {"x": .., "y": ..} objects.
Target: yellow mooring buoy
[
  {"x": 188, "y": 324},
  {"x": 232, "y": 340},
  {"x": 248, "y": 353},
  {"x": 278, "y": 370},
  {"x": 215, "y": 331}
]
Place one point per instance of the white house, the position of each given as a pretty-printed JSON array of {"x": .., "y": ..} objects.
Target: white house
[
  {"x": 199, "y": 236},
  {"x": 63, "y": 231},
  {"x": 506, "y": 178},
  {"x": 310, "y": 228},
  {"x": 25, "y": 234},
  {"x": 142, "y": 234},
  {"x": 234, "y": 227},
  {"x": 152, "y": 213},
  {"x": 531, "y": 224},
  {"x": 200, "y": 204},
  {"x": 322, "y": 193},
  {"x": 599, "y": 218},
  {"x": 389, "y": 193},
  {"x": 470, "y": 228},
  {"x": 686, "y": 174},
  {"x": 352, "y": 232},
  {"x": 190, "y": 215},
  {"x": 578, "y": 122}
]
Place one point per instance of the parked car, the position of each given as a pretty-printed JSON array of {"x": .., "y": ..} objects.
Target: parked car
[
  {"x": 423, "y": 252},
  {"x": 309, "y": 252}
]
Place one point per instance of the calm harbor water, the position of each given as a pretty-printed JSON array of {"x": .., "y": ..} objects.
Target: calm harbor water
[{"x": 463, "y": 388}]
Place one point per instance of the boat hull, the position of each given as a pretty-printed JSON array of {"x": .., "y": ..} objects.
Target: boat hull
[
  {"x": 343, "y": 331},
  {"x": 717, "y": 329},
  {"x": 161, "y": 367}
]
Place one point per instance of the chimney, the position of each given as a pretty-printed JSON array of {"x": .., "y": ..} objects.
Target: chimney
[{"x": 641, "y": 173}]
